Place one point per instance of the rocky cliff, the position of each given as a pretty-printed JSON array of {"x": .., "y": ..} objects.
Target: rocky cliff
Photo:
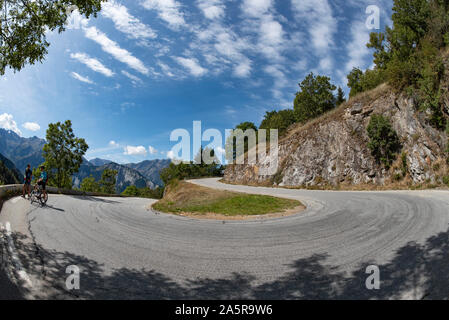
[{"x": 333, "y": 149}]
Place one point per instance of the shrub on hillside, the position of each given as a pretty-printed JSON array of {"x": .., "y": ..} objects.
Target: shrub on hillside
[
  {"x": 384, "y": 142},
  {"x": 133, "y": 191}
]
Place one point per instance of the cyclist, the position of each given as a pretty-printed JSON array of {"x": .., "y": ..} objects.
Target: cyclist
[
  {"x": 43, "y": 181},
  {"x": 27, "y": 181}
]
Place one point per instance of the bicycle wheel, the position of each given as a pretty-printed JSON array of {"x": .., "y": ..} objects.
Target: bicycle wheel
[
  {"x": 43, "y": 199},
  {"x": 33, "y": 197}
]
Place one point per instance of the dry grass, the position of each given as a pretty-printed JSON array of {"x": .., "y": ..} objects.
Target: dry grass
[{"x": 182, "y": 197}]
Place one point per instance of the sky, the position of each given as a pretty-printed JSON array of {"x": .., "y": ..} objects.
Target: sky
[{"x": 144, "y": 68}]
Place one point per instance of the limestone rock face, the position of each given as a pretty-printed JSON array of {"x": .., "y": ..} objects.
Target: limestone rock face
[{"x": 333, "y": 149}]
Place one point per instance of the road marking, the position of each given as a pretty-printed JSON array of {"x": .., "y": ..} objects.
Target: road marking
[{"x": 15, "y": 258}]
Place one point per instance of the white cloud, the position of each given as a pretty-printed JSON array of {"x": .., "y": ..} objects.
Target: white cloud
[
  {"x": 92, "y": 63},
  {"x": 31, "y": 126},
  {"x": 271, "y": 38},
  {"x": 168, "y": 10},
  {"x": 135, "y": 151},
  {"x": 7, "y": 122},
  {"x": 318, "y": 16},
  {"x": 243, "y": 69},
  {"x": 134, "y": 78},
  {"x": 125, "y": 22},
  {"x": 152, "y": 150},
  {"x": 280, "y": 79},
  {"x": 113, "y": 144},
  {"x": 270, "y": 33},
  {"x": 256, "y": 8},
  {"x": 171, "y": 155},
  {"x": 115, "y": 50},
  {"x": 357, "y": 50},
  {"x": 76, "y": 20},
  {"x": 166, "y": 69},
  {"x": 223, "y": 48},
  {"x": 212, "y": 9},
  {"x": 192, "y": 65},
  {"x": 81, "y": 78}
]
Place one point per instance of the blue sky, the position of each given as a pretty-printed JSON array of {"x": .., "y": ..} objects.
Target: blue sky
[{"x": 143, "y": 68}]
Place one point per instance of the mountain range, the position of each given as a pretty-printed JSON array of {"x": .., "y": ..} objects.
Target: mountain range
[
  {"x": 151, "y": 169},
  {"x": 21, "y": 151}
]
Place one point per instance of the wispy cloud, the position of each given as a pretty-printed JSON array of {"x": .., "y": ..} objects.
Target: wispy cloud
[
  {"x": 168, "y": 10},
  {"x": 125, "y": 22},
  {"x": 31, "y": 126},
  {"x": 356, "y": 48},
  {"x": 81, "y": 78},
  {"x": 92, "y": 63},
  {"x": 192, "y": 65},
  {"x": 280, "y": 79},
  {"x": 322, "y": 26},
  {"x": 223, "y": 48},
  {"x": 134, "y": 79},
  {"x": 165, "y": 69},
  {"x": 152, "y": 150},
  {"x": 115, "y": 50},
  {"x": 256, "y": 8},
  {"x": 135, "y": 151},
  {"x": 113, "y": 144}
]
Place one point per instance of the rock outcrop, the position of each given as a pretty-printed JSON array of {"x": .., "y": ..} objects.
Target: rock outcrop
[{"x": 333, "y": 149}]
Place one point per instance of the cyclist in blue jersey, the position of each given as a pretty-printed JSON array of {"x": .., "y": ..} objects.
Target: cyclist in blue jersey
[{"x": 43, "y": 181}]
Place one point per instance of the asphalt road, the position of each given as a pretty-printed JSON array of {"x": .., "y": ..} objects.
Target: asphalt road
[{"x": 124, "y": 251}]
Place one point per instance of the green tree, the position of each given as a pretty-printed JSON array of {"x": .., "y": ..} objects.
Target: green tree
[
  {"x": 314, "y": 98},
  {"x": 89, "y": 184},
  {"x": 280, "y": 120},
  {"x": 108, "y": 181},
  {"x": 63, "y": 153},
  {"x": 384, "y": 142},
  {"x": 355, "y": 81},
  {"x": 232, "y": 143},
  {"x": 24, "y": 25},
  {"x": 131, "y": 191},
  {"x": 340, "y": 97},
  {"x": 359, "y": 81},
  {"x": 381, "y": 54}
]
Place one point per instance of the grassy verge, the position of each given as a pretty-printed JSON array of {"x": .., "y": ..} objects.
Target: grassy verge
[{"x": 183, "y": 197}]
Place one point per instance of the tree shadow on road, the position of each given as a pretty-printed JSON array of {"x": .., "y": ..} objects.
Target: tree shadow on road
[
  {"x": 94, "y": 199},
  {"x": 416, "y": 271}
]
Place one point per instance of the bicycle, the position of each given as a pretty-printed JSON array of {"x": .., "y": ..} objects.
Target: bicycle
[{"x": 37, "y": 196}]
